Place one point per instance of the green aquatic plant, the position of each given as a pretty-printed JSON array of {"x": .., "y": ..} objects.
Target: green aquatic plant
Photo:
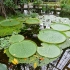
[
  {"x": 34, "y": 15},
  {"x": 48, "y": 50},
  {"x": 26, "y": 47},
  {"x": 9, "y": 22},
  {"x": 32, "y": 21},
  {"x": 54, "y": 40},
  {"x": 7, "y": 27},
  {"x": 34, "y": 59},
  {"x": 4, "y": 43},
  {"x": 16, "y": 38},
  {"x": 51, "y": 36},
  {"x": 65, "y": 44},
  {"x": 30, "y": 56},
  {"x": 67, "y": 33},
  {"x": 60, "y": 27}
]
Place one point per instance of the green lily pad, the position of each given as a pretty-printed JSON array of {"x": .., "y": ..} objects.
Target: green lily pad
[
  {"x": 67, "y": 33},
  {"x": 60, "y": 27},
  {"x": 16, "y": 38},
  {"x": 49, "y": 50},
  {"x": 51, "y": 36},
  {"x": 3, "y": 67},
  {"x": 21, "y": 19},
  {"x": 9, "y": 22},
  {"x": 65, "y": 44},
  {"x": 23, "y": 49},
  {"x": 32, "y": 21}
]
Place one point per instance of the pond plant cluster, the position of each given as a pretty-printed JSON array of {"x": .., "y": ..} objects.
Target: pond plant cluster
[{"x": 16, "y": 39}]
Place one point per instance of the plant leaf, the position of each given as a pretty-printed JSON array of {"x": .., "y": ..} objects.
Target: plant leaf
[
  {"x": 67, "y": 33},
  {"x": 16, "y": 38},
  {"x": 23, "y": 49},
  {"x": 65, "y": 44},
  {"x": 60, "y": 27},
  {"x": 51, "y": 36},
  {"x": 9, "y": 22},
  {"x": 32, "y": 21},
  {"x": 49, "y": 50}
]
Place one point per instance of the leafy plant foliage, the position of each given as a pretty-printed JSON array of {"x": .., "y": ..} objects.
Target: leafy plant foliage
[
  {"x": 26, "y": 51},
  {"x": 9, "y": 22}
]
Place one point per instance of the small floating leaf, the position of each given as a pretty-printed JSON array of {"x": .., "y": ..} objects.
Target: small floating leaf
[{"x": 16, "y": 38}]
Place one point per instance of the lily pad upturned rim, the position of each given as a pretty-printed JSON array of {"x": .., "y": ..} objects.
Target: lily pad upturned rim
[
  {"x": 27, "y": 21},
  {"x": 23, "y": 49},
  {"x": 9, "y": 22},
  {"x": 16, "y": 38},
  {"x": 50, "y": 38},
  {"x": 49, "y": 50},
  {"x": 63, "y": 27}
]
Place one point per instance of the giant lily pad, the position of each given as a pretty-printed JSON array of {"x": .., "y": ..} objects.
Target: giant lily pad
[
  {"x": 49, "y": 50},
  {"x": 16, "y": 38},
  {"x": 21, "y": 19},
  {"x": 9, "y": 22},
  {"x": 23, "y": 49},
  {"x": 60, "y": 27},
  {"x": 32, "y": 21},
  {"x": 51, "y": 36}
]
